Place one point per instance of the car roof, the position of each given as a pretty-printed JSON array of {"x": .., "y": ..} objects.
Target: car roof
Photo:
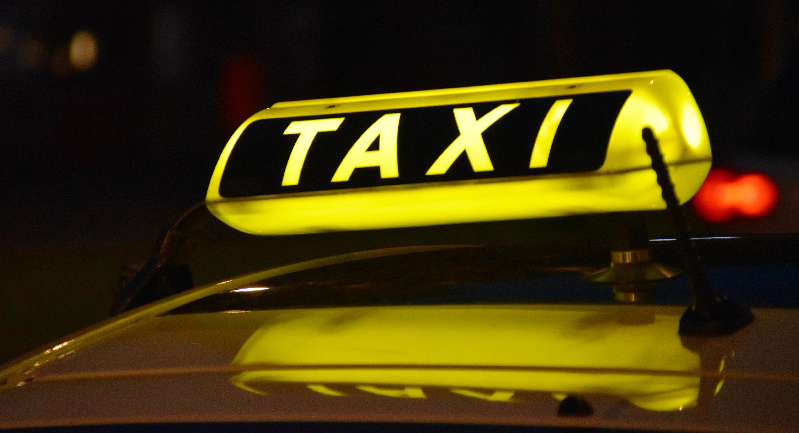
[{"x": 487, "y": 362}]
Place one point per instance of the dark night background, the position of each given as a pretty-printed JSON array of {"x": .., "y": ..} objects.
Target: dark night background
[{"x": 93, "y": 162}]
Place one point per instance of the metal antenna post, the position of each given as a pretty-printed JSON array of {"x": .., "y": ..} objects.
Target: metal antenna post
[{"x": 708, "y": 314}]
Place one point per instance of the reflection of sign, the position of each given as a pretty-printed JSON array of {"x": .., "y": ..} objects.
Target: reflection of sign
[
  {"x": 414, "y": 392},
  {"x": 494, "y": 353},
  {"x": 510, "y": 151}
]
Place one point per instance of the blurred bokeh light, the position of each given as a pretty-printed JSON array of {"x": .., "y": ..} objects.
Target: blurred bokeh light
[
  {"x": 83, "y": 50},
  {"x": 725, "y": 195}
]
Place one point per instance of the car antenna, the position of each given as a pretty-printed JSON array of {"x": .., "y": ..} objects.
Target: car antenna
[{"x": 708, "y": 313}]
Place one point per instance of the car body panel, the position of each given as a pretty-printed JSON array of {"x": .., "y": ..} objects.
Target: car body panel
[
  {"x": 485, "y": 364},
  {"x": 185, "y": 368}
]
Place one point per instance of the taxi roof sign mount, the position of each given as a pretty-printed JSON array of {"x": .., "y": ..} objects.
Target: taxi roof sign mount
[{"x": 488, "y": 153}]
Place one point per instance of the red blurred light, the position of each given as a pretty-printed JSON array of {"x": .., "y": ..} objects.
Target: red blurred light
[
  {"x": 243, "y": 84},
  {"x": 723, "y": 195},
  {"x": 758, "y": 194}
]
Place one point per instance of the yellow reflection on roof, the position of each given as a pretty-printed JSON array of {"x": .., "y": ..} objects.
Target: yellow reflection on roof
[{"x": 484, "y": 349}]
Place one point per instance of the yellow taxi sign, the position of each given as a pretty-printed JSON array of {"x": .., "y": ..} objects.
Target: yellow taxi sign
[{"x": 509, "y": 151}]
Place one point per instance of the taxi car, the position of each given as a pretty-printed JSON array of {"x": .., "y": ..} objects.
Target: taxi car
[{"x": 621, "y": 332}]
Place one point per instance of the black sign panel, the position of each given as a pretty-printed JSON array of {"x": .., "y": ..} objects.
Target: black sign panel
[{"x": 258, "y": 161}]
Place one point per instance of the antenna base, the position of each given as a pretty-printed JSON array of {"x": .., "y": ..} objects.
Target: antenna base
[{"x": 722, "y": 317}]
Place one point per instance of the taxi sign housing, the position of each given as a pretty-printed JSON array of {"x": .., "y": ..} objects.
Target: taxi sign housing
[{"x": 487, "y": 153}]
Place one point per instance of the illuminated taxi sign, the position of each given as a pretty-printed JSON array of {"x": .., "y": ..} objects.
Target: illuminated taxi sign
[{"x": 499, "y": 152}]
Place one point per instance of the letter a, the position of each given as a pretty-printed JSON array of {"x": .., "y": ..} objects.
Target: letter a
[
  {"x": 386, "y": 128},
  {"x": 406, "y": 392},
  {"x": 470, "y": 140},
  {"x": 495, "y": 396},
  {"x": 322, "y": 389}
]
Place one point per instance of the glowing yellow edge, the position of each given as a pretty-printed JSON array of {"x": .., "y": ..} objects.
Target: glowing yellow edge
[{"x": 625, "y": 182}]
